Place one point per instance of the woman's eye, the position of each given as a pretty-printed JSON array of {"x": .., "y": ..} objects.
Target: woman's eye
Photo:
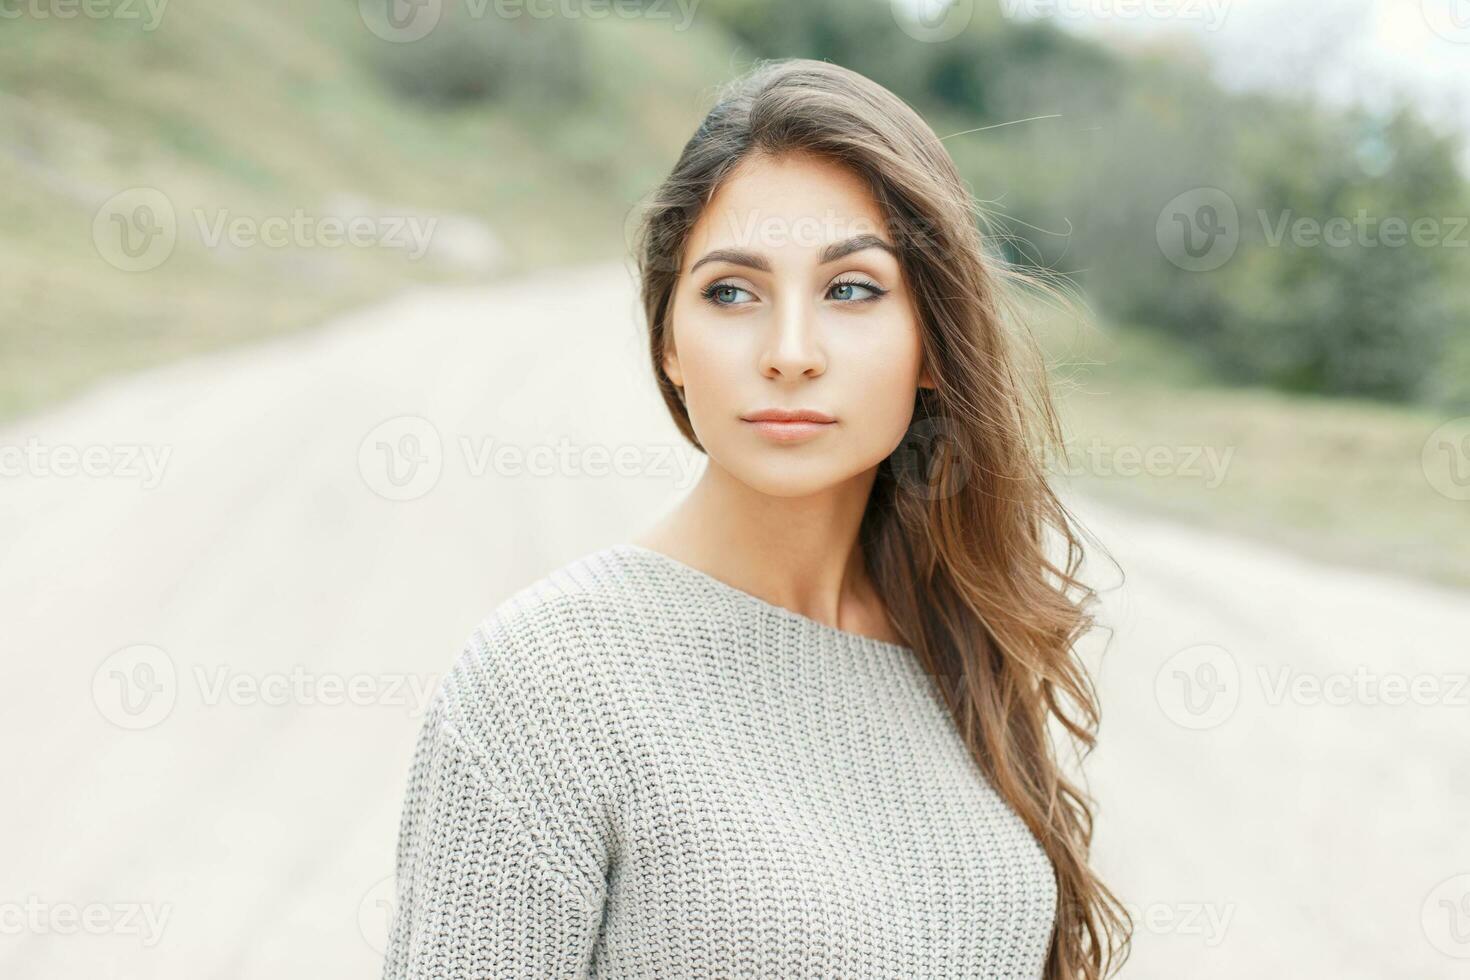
[
  {"x": 724, "y": 294},
  {"x": 853, "y": 292}
]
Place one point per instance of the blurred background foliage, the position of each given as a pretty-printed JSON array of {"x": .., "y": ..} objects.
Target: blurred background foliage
[
  {"x": 1081, "y": 194},
  {"x": 548, "y": 130}
]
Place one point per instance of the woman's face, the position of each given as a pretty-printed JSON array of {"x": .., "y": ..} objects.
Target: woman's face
[{"x": 790, "y": 297}]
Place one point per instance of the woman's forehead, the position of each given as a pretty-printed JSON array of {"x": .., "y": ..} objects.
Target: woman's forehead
[{"x": 797, "y": 201}]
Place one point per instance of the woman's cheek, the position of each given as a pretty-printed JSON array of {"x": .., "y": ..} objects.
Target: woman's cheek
[{"x": 885, "y": 376}]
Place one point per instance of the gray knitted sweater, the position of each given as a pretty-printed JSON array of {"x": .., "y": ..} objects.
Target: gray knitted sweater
[{"x": 635, "y": 769}]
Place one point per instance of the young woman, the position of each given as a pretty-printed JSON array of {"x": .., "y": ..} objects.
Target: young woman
[{"x": 800, "y": 727}]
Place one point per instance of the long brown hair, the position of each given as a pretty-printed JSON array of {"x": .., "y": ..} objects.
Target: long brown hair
[{"x": 957, "y": 530}]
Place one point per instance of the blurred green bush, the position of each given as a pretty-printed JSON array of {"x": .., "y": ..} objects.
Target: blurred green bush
[{"x": 472, "y": 55}]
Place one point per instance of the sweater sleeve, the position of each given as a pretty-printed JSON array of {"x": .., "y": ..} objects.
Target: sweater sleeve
[{"x": 483, "y": 888}]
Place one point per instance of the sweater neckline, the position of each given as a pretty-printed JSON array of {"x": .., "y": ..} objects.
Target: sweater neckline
[{"x": 770, "y": 607}]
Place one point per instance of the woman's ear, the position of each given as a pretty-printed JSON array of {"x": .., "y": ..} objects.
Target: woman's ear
[{"x": 671, "y": 366}]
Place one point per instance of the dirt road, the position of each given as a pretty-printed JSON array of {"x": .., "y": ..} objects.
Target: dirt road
[{"x": 226, "y": 588}]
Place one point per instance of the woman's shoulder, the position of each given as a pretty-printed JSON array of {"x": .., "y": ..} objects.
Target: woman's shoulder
[
  {"x": 565, "y": 603},
  {"x": 533, "y": 712},
  {"x": 561, "y": 638}
]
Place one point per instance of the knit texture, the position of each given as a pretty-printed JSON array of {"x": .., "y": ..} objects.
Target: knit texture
[{"x": 634, "y": 769}]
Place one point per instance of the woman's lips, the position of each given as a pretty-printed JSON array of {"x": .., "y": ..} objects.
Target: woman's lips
[{"x": 788, "y": 431}]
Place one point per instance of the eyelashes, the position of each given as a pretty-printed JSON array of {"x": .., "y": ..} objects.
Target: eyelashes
[
  {"x": 876, "y": 291},
  {"x": 714, "y": 290}
]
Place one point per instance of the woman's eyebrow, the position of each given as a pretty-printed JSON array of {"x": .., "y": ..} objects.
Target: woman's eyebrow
[
  {"x": 734, "y": 257},
  {"x": 857, "y": 243},
  {"x": 831, "y": 253}
]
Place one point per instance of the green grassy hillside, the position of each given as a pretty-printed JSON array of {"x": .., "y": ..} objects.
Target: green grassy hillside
[
  {"x": 278, "y": 110},
  {"x": 1381, "y": 487}
]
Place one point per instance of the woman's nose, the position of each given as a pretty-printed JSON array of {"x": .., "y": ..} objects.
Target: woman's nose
[{"x": 793, "y": 348}]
